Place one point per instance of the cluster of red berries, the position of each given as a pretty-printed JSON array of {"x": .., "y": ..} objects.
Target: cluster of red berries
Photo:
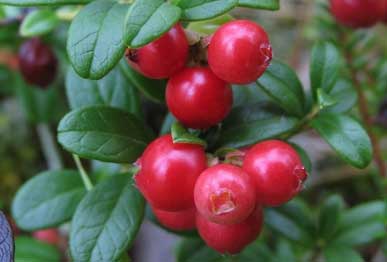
[
  {"x": 200, "y": 97},
  {"x": 359, "y": 13},
  {"x": 223, "y": 202}
]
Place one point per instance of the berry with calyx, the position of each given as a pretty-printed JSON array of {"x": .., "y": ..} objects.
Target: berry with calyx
[
  {"x": 239, "y": 52},
  {"x": 168, "y": 173},
  {"x": 277, "y": 171},
  {"x": 198, "y": 98},
  {"x": 163, "y": 57},
  {"x": 225, "y": 194},
  {"x": 37, "y": 62}
]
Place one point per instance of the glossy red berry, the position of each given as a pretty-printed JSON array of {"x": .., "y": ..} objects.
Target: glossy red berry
[
  {"x": 38, "y": 63},
  {"x": 163, "y": 57},
  {"x": 168, "y": 173},
  {"x": 177, "y": 221},
  {"x": 239, "y": 52},
  {"x": 358, "y": 13},
  {"x": 277, "y": 171},
  {"x": 225, "y": 194},
  {"x": 230, "y": 239},
  {"x": 198, "y": 98},
  {"x": 50, "y": 236}
]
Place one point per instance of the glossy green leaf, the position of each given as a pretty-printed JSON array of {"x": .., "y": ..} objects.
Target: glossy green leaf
[
  {"x": 148, "y": 19},
  {"x": 344, "y": 94},
  {"x": 103, "y": 133},
  {"x": 152, "y": 89},
  {"x": 32, "y": 250},
  {"x": 346, "y": 136},
  {"x": 106, "y": 221},
  {"x": 324, "y": 66},
  {"x": 96, "y": 38},
  {"x": 43, "y": 2},
  {"x": 181, "y": 135},
  {"x": 281, "y": 84},
  {"x": 247, "y": 125},
  {"x": 324, "y": 100},
  {"x": 209, "y": 26},
  {"x": 39, "y": 22},
  {"x": 47, "y": 200},
  {"x": 260, "y": 4},
  {"x": 113, "y": 90},
  {"x": 361, "y": 214},
  {"x": 205, "y": 9},
  {"x": 329, "y": 216},
  {"x": 341, "y": 253},
  {"x": 361, "y": 235}
]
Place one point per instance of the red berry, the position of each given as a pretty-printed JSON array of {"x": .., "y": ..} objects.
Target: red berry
[
  {"x": 225, "y": 194},
  {"x": 168, "y": 173},
  {"x": 178, "y": 221},
  {"x": 50, "y": 236},
  {"x": 239, "y": 52},
  {"x": 230, "y": 238},
  {"x": 38, "y": 63},
  {"x": 163, "y": 57},
  {"x": 198, "y": 98},
  {"x": 277, "y": 171},
  {"x": 358, "y": 13}
]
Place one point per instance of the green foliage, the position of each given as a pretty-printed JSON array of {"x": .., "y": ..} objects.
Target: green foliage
[
  {"x": 117, "y": 210},
  {"x": 39, "y": 22},
  {"x": 260, "y": 4},
  {"x": 181, "y": 135},
  {"x": 31, "y": 250},
  {"x": 204, "y": 9},
  {"x": 43, "y": 2}
]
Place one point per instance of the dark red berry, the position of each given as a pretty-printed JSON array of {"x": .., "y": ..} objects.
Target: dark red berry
[
  {"x": 239, "y": 52},
  {"x": 50, "y": 236},
  {"x": 168, "y": 173},
  {"x": 198, "y": 98},
  {"x": 163, "y": 57},
  {"x": 38, "y": 63},
  {"x": 358, "y": 13},
  {"x": 277, "y": 171},
  {"x": 177, "y": 221},
  {"x": 230, "y": 239},
  {"x": 225, "y": 194}
]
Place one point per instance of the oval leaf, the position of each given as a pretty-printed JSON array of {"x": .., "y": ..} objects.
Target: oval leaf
[
  {"x": 205, "y": 9},
  {"x": 329, "y": 216},
  {"x": 341, "y": 253},
  {"x": 32, "y": 250},
  {"x": 260, "y": 4},
  {"x": 103, "y": 133},
  {"x": 47, "y": 200},
  {"x": 6, "y": 240},
  {"x": 113, "y": 90},
  {"x": 43, "y": 2},
  {"x": 39, "y": 22},
  {"x": 281, "y": 83},
  {"x": 96, "y": 38},
  {"x": 106, "y": 221},
  {"x": 181, "y": 135},
  {"x": 344, "y": 94},
  {"x": 346, "y": 136},
  {"x": 149, "y": 19}
]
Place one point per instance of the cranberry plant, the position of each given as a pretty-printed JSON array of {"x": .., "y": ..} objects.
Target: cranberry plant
[{"x": 220, "y": 167}]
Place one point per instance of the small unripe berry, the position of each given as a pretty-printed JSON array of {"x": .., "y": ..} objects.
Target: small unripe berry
[{"x": 50, "y": 236}]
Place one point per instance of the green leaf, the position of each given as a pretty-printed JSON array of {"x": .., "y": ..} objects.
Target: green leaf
[
  {"x": 113, "y": 90},
  {"x": 209, "y": 26},
  {"x": 103, "y": 133},
  {"x": 324, "y": 100},
  {"x": 285, "y": 251},
  {"x": 361, "y": 214},
  {"x": 324, "y": 66},
  {"x": 281, "y": 84},
  {"x": 39, "y": 22},
  {"x": 344, "y": 94},
  {"x": 96, "y": 38},
  {"x": 361, "y": 235},
  {"x": 260, "y": 4},
  {"x": 340, "y": 253},
  {"x": 31, "y": 250},
  {"x": 6, "y": 239},
  {"x": 181, "y": 135},
  {"x": 149, "y": 19},
  {"x": 107, "y": 220},
  {"x": 329, "y": 216},
  {"x": 346, "y": 136},
  {"x": 47, "y": 200},
  {"x": 152, "y": 89},
  {"x": 247, "y": 125},
  {"x": 43, "y": 2},
  {"x": 205, "y": 9}
]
